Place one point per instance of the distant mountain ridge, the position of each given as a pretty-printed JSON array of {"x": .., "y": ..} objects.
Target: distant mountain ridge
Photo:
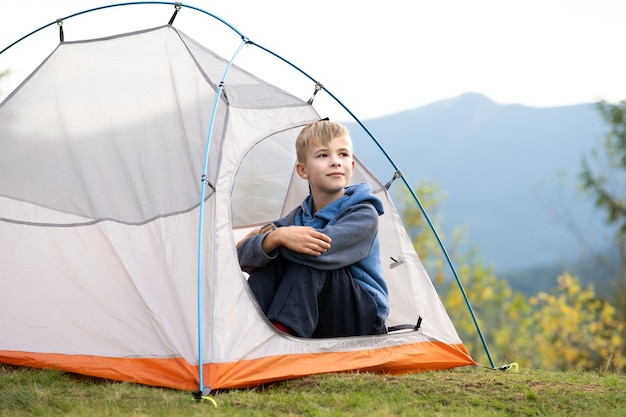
[{"x": 507, "y": 169}]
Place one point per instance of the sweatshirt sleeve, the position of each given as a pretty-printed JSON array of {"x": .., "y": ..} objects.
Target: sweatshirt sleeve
[
  {"x": 251, "y": 255},
  {"x": 352, "y": 237}
]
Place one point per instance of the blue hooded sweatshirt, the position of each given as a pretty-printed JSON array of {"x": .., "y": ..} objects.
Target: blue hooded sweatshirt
[{"x": 352, "y": 224}]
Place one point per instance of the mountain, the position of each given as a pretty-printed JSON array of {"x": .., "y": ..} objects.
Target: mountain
[
  {"x": 509, "y": 172},
  {"x": 597, "y": 269}
]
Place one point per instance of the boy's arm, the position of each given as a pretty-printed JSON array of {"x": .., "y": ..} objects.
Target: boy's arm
[
  {"x": 299, "y": 239},
  {"x": 250, "y": 253},
  {"x": 260, "y": 246},
  {"x": 351, "y": 239}
]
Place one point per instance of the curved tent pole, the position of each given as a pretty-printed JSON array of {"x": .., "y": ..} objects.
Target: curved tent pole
[
  {"x": 133, "y": 3},
  {"x": 376, "y": 142},
  {"x": 201, "y": 221},
  {"x": 453, "y": 269}
]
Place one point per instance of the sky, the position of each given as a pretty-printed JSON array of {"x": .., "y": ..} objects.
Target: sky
[{"x": 376, "y": 57}]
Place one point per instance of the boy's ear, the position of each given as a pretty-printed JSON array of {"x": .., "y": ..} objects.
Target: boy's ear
[{"x": 301, "y": 170}]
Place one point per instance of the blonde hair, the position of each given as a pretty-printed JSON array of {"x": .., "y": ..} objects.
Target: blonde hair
[{"x": 318, "y": 133}]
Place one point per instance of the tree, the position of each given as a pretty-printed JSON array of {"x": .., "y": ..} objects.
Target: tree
[{"x": 604, "y": 177}]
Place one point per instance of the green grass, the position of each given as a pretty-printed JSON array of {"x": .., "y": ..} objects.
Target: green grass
[{"x": 462, "y": 392}]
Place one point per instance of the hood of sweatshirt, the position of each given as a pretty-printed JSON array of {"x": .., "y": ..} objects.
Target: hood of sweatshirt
[{"x": 353, "y": 194}]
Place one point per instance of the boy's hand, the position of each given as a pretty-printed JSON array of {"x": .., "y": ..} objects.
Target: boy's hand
[{"x": 302, "y": 239}]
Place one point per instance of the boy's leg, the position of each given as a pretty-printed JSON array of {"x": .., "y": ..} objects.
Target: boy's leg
[
  {"x": 295, "y": 300},
  {"x": 345, "y": 308},
  {"x": 264, "y": 283},
  {"x": 312, "y": 302},
  {"x": 287, "y": 294}
]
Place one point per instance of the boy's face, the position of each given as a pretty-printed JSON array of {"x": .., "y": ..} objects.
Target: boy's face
[{"x": 328, "y": 168}]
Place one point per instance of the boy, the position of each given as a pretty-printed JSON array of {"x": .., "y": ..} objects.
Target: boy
[{"x": 316, "y": 272}]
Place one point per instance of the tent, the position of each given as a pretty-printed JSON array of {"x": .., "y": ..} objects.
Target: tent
[{"x": 129, "y": 167}]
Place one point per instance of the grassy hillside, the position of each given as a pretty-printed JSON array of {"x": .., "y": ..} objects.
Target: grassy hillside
[{"x": 461, "y": 392}]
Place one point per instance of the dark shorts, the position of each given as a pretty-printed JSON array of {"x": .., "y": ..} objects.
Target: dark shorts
[{"x": 314, "y": 302}]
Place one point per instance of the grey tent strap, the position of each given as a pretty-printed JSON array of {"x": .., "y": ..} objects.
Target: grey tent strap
[
  {"x": 205, "y": 180},
  {"x": 176, "y": 9},
  {"x": 61, "y": 35},
  {"x": 414, "y": 327},
  {"x": 396, "y": 175},
  {"x": 318, "y": 87}
]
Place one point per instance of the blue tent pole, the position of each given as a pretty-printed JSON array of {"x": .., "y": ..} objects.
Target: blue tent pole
[
  {"x": 453, "y": 269},
  {"x": 201, "y": 388}
]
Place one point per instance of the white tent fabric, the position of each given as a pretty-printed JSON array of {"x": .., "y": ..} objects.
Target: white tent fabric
[{"x": 101, "y": 162}]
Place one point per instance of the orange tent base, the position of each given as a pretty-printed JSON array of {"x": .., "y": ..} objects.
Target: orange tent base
[{"x": 177, "y": 373}]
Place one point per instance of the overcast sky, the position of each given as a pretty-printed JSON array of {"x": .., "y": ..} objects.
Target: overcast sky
[{"x": 376, "y": 57}]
